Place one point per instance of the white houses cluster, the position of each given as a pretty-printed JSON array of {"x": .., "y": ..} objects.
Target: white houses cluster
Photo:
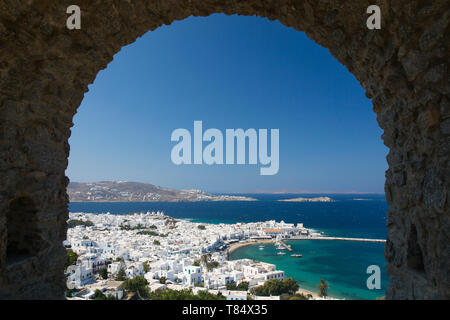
[{"x": 172, "y": 249}]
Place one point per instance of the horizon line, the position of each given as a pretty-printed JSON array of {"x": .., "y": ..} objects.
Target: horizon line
[{"x": 282, "y": 191}]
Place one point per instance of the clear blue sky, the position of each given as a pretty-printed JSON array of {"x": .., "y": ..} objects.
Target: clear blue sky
[{"x": 229, "y": 72}]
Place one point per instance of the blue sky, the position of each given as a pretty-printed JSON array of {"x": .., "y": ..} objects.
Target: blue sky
[{"x": 229, "y": 72}]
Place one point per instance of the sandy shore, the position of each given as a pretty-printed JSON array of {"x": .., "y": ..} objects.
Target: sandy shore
[
  {"x": 307, "y": 292},
  {"x": 243, "y": 244}
]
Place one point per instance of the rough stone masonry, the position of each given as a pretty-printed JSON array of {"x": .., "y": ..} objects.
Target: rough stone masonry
[{"x": 45, "y": 69}]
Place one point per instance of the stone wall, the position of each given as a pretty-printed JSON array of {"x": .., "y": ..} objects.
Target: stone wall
[{"x": 45, "y": 69}]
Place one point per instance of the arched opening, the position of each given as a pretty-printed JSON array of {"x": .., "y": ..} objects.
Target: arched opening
[
  {"x": 159, "y": 83},
  {"x": 403, "y": 67}
]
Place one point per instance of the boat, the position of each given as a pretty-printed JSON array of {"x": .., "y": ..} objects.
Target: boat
[
  {"x": 281, "y": 253},
  {"x": 261, "y": 248},
  {"x": 296, "y": 255}
]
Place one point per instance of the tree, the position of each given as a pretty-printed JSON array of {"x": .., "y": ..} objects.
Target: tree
[
  {"x": 196, "y": 263},
  {"x": 139, "y": 285},
  {"x": 243, "y": 286},
  {"x": 71, "y": 258},
  {"x": 146, "y": 266},
  {"x": 231, "y": 286},
  {"x": 103, "y": 273},
  {"x": 185, "y": 294},
  {"x": 156, "y": 242},
  {"x": 162, "y": 280},
  {"x": 275, "y": 287},
  {"x": 121, "y": 275},
  {"x": 98, "y": 295},
  {"x": 290, "y": 286},
  {"x": 323, "y": 288},
  {"x": 211, "y": 265},
  {"x": 201, "y": 227}
]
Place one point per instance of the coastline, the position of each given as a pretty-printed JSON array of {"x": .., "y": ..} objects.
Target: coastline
[
  {"x": 238, "y": 245},
  {"x": 160, "y": 201},
  {"x": 302, "y": 291}
]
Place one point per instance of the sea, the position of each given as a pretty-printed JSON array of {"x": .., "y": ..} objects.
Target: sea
[{"x": 342, "y": 264}]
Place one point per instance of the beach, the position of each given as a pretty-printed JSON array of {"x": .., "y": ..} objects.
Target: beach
[{"x": 235, "y": 246}]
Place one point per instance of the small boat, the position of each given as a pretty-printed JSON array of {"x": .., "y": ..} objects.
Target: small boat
[
  {"x": 261, "y": 248},
  {"x": 281, "y": 253},
  {"x": 296, "y": 255}
]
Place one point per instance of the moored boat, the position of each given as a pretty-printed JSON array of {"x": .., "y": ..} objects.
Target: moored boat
[{"x": 296, "y": 255}]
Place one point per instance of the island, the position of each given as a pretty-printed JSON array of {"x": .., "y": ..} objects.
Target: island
[
  {"x": 317, "y": 199},
  {"x": 126, "y": 191}
]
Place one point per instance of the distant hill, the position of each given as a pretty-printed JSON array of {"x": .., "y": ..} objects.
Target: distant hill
[{"x": 137, "y": 191}]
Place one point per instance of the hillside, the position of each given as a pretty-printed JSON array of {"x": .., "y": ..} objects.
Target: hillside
[{"x": 138, "y": 191}]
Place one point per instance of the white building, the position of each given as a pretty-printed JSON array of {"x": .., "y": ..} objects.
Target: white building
[{"x": 78, "y": 276}]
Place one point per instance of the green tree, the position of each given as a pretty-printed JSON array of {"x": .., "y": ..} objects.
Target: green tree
[
  {"x": 103, "y": 273},
  {"x": 71, "y": 258},
  {"x": 275, "y": 287},
  {"x": 211, "y": 265},
  {"x": 323, "y": 288},
  {"x": 121, "y": 275},
  {"x": 156, "y": 242},
  {"x": 185, "y": 294},
  {"x": 162, "y": 280},
  {"x": 290, "y": 286},
  {"x": 231, "y": 286},
  {"x": 201, "y": 227},
  {"x": 146, "y": 266},
  {"x": 243, "y": 286},
  {"x": 138, "y": 285},
  {"x": 98, "y": 295},
  {"x": 196, "y": 263}
]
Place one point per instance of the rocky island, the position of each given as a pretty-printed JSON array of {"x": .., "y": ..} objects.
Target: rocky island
[
  {"x": 125, "y": 191},
  {"x": 317, "y": 199}
]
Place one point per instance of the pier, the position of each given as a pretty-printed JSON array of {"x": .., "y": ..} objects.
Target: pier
[
  {"x": 336, "y": 238},
  {"x": 288, "y": 247}
]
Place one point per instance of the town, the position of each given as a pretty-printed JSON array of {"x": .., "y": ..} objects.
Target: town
[{"x": 170, "y": 254}]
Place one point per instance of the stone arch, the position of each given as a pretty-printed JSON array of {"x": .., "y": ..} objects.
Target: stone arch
[{"x": 45, "y": 69}]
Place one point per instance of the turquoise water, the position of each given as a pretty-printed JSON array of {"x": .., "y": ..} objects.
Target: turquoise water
[{"x": 343, "y": 264}]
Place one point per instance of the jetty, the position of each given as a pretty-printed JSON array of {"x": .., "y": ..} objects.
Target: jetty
[
  {"x": 286, "y": 246},
  {"x": 336, "y": 238}
]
